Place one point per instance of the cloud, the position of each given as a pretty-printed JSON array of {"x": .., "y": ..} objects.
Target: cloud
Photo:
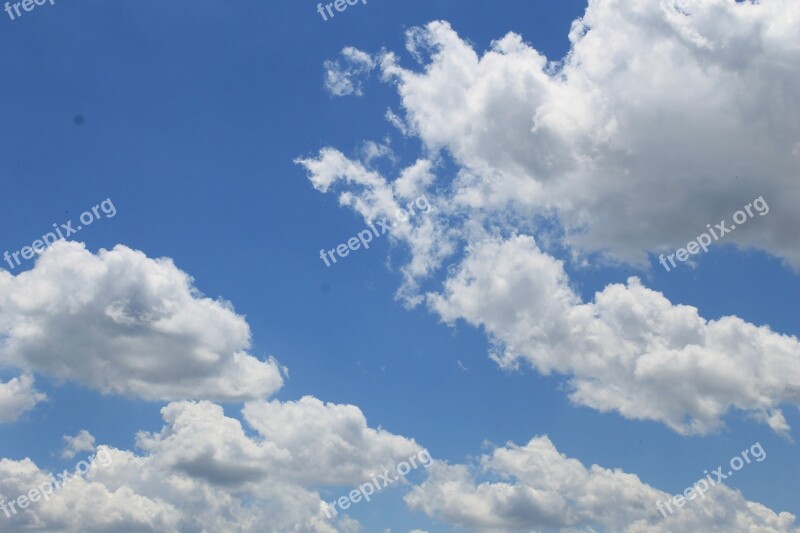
[
  {"x": 630, "y": 350},
  {"x": 82, "y": 442},
  {"x": 82, "y": 504},
  {"x": 533, "y": 487},
  {"x": 663, "y": 117},
  {"x": 369, "y": 194},
  {"x": 205, "y": 471},
  {"x": 18, "y": 396},
  {"x": 414, "y": 180},
  {"x": 629, "y": 145},
  {"x": 343, "y": 77},
  {"x": 398, "y": 123},
  {"x": 324, "y": 437},
  {"x": 120, "y": 322}
]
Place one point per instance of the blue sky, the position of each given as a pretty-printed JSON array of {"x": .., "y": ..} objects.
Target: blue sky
[{"x": 203, "y": 122}]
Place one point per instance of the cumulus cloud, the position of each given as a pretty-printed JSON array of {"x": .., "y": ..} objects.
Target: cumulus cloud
[
  {"x": 120, "y": 322},
  {"x": 631, "y": 143},
  {"x": 539, "y": 488},
  {"x": 81, "y": 505},
  {"x": 629, "y": 350},
  {"x": 324, "y": 438},
  {"x": 18, "y": 396},
  {"x": 205, "y": 471},
  {"x": 664, "y": 117}
]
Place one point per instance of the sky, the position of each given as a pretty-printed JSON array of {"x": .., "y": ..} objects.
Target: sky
[{"x": 531, "y": 328}]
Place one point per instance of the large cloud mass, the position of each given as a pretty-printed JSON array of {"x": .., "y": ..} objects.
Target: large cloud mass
[
  {"x": 205, "y": 471},
  {"x": 629, "y": 350},
  {"x": 121, "y": 322},
  {"x": 539, "y": 487},
  {"x": 663, "y": 117}
]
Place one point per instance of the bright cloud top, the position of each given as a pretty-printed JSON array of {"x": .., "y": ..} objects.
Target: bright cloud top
[{"x": 123, "y": 323}]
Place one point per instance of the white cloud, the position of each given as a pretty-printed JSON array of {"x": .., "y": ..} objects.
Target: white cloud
[
  {"x": 123, "y": 323},
  {"x": 658, "y": 122},
  {"x": 344, "y": 77},
  {"x": 534, "y": 486},
  {"x": 414, "y": 180},
  {"x": 371, "y": 151},
  {"x": 81, "y": 505},
  {"x": 629, "y": 350},
  {"x": 374, "y": 198},
  {"x": 323, "y": 439},
  {"x": 82, "y": 442},
  {"x": 18, "y": 396},
  {"x": 633, "y": 143},
  {"x": 205, "y": 471},
  {"x": 398, "y": 123}
]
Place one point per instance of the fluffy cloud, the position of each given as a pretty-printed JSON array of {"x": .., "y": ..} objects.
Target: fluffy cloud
[
  {"x": 664, "y": 117},
  {"x": 18, "y": 396},
  {"x": 629, "y": 350},
  {"x": 205, "y": 471},
  {"x": 82, "y": 504},
  {"x": 542, "y": 488},
  {"x": 324, "y": 438},
  {"x": 656, "y": 123},
  {"x": 123, "y": 323}
]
